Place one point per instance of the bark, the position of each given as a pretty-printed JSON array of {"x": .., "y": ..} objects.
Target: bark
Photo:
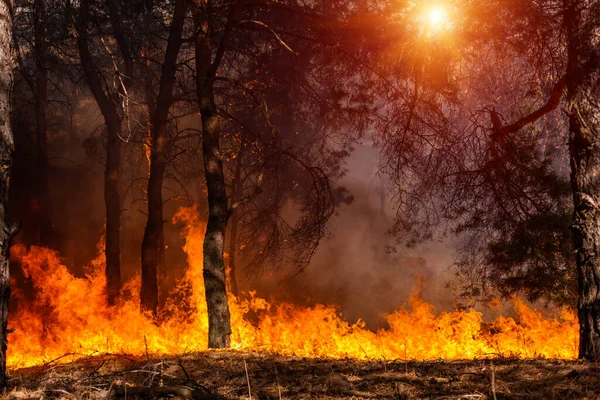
[
  {"x": 219, "y": 328},
  {"x": 235, "y": 195},
  {"x": 232, "y": 253},
  {"x": 44, "y": 224},
  {"x": 150, "y": 242},
  {"x": 113, "y": 150},
  {"x": 582, "y": 20},
  {"x": 6, "y": 151},
  {"x": 159, "y": 157},
  {"x": 113, "y": 213}
]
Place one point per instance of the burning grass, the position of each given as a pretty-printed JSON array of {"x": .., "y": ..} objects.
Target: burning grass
[
  {"x": 237, "y": 375},
  {"x": 69, "y": 315}
]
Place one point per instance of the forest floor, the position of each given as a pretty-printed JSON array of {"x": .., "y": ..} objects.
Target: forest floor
[{"x": 236, "y": 375}]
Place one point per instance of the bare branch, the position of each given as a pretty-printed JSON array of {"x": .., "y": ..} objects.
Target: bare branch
[{"x": 267, "y": 27}]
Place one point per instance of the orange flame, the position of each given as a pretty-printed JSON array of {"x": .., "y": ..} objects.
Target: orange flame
[{"x": 69, "y": 316}]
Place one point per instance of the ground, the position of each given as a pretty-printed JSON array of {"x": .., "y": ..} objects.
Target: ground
[{"x": 235, "y": 375}]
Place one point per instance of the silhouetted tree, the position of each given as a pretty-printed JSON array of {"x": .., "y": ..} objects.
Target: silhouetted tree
[
  {"x": 160, "y": 154},
  {"x": 110, "y": 106},
  {"x": 6, "y": 152},
  {"x": 582, "y": 20}
]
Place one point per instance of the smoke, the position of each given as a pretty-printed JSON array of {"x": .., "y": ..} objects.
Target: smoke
[{"x": 355, "y": 267}]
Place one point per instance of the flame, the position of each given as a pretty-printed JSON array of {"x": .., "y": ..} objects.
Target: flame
[{"x": 68, "y": 318}]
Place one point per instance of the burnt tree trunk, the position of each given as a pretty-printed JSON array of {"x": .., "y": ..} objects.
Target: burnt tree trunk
[
  {"x": 219, "y": 326},
  {"x": 151, "y": 240},
  {"x": 236, "y": 192},
  {"x": 113, "y": 212},
  {"x": 113, "y": 151},
  {"x": 159, "y": 157},
  {"x": 583, "y": 108},
  {"x": 6, "y": 151},
  {"x": 44, "y": 229},
  {"x": 219, "y": 329}
]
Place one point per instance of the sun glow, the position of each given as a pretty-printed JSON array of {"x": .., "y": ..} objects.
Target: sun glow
[{"x": 435, "y": 18}]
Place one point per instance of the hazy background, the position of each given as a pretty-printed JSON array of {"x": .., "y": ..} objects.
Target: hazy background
[{"x": 353, "y": 267}]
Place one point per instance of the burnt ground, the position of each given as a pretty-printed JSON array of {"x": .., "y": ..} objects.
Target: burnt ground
[{"x": 235, "y": 375}]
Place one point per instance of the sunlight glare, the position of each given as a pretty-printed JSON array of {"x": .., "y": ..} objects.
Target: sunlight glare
[
  {"x": 436, "y": 16},
  {"x": 435, "y": 19}
]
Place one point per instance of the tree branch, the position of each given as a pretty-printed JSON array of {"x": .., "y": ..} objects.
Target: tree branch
[
  {"x": 551, "y": 105},
  {"x": 257, "y": 190},
  {"x": 267, "y": 27}
]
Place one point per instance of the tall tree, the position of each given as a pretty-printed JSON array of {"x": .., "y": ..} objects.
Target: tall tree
[
  {"x": 582, "y": 20},
  {"x": 109, "y": 104},
  {"x": 252, "y": 114},
  {"x": 160, "y": 154},
  {"x": 6, "y": 152},
  {"x": 219, "y": 328}
]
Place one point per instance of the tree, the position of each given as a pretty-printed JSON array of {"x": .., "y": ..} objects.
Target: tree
[
  {"x": 109, "y": 106},
  {"x": 230, "y": 96},
  {"x": 6, "y": 151},
  {"x": 38, "y": 95},
  {"x": 160, "y": 155},
  {"x": 299, "y": 157},
  {"x": 219, "y": 329},
  {"x": 554, "y": 50},
  {"x": 582, "y": 20}
]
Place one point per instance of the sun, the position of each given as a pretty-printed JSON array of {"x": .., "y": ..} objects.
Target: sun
[
  {"x": 435, "y": 19},
  {"x": 437, "y": 16}
]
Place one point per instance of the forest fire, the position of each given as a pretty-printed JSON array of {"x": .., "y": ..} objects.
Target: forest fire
[
  {"x": 351, "y": 145},
  {"x": 68, "y": 317}
]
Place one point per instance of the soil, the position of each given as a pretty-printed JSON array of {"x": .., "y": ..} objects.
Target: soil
[{"x": 237, "y": 375}]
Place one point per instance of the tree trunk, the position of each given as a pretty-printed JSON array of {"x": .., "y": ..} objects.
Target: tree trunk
[
  {"x": 161, "y": 261},
  {"x": 42, "y": 188},
  {"x": 219, "y": 329},
  {"x": 160, "y": 152},
  {"x": 583, "y": 107},
  {"x": 6, "y": 150},
  {"x": 232, "y": 253},
  {"x": 113, "y": 213},
  {"x": 235, "y": 195},
  {"x": 113, "y": 154},
  {"x": 151, "y": 241}
]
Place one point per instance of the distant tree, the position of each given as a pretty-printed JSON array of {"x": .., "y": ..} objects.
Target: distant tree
[
  {"x": 300, "y": 169},
  {"x": 160, "y": 155},
  {"x": 511, "y": 246},
  {"x": 458, "y": 143},
  {"x": 111, "y": 107},
  {"x": 43, "y": 54}
]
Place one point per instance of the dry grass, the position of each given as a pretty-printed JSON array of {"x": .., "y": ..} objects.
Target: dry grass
[{"x": 234, "y": 375}]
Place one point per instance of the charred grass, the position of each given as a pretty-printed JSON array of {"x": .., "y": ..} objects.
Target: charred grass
[{"x": 236, "y": 375}]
